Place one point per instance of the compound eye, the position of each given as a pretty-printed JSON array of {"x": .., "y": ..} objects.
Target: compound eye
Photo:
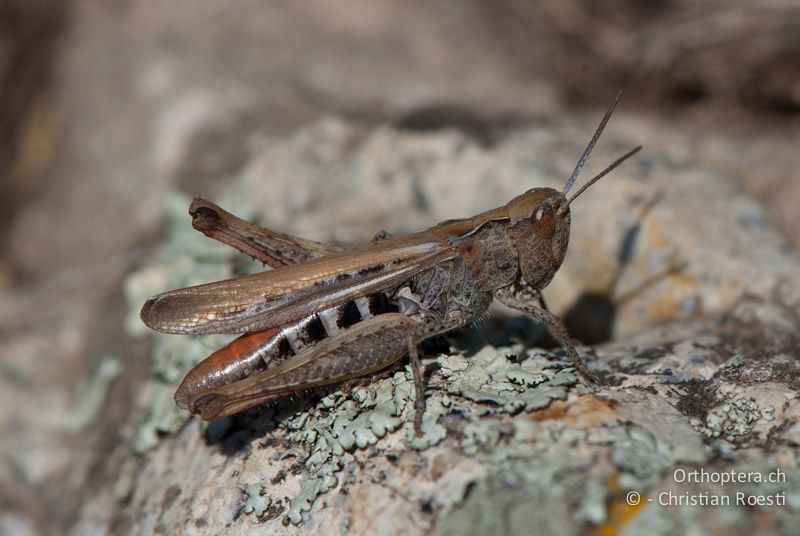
[{"x": 544, "y": 221}]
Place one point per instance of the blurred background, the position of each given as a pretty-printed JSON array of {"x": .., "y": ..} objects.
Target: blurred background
[{"x": 107, "y": 106}]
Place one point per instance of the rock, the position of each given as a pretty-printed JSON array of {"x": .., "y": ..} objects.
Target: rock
[{"x": 702, "y": 363}]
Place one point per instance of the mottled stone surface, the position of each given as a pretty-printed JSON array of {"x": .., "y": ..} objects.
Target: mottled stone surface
[
  {"x": 436, "y": 109},
  {"x": 703, "y": 367}
]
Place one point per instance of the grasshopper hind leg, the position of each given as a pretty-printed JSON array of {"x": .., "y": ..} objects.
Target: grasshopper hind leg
[
  {"x": 364, "y": 348},
  {"x": 419, "y": 386}
]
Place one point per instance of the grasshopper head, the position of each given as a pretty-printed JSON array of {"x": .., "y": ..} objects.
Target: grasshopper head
[
  {"x": 530, "y": 246},
  {"x": 539, "y": 223},
  {"x": 539, "y": 226}
]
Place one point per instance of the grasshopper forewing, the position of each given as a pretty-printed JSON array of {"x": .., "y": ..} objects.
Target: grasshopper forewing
[
  {"x": 324, "y": 314},
  {"x": 289, "y": 293}
]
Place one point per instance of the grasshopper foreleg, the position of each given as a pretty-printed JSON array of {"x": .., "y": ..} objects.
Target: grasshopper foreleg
[
  {"x": 542, "y": 303},
  {"x": 521, "y": 299}
]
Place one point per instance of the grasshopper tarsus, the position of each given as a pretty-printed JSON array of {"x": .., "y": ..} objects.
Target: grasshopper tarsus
[
  {"x": 326, "y": 315},
  {"x": 383, "y": 234},
  {"x": 592, "y": 379}
]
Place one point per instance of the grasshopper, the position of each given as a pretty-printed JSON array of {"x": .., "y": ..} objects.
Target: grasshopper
[{"x": 325, "y": 315}]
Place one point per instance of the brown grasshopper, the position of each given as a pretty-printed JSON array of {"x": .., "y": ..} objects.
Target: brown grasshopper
[{"x": 325, "y": 315}]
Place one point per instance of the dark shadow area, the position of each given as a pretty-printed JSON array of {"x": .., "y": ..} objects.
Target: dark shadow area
[
  {"x": 29, "y": 35},
  {"x": 666, "y": 53},
  {"x": 487, "y": 131},
  {"x": 591, "y": 318},
  {"x": 236, "y": 434}
]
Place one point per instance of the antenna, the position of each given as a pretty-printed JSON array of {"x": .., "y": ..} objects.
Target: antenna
[
  {"x": 588, "y": 151},
  {"x": 605, "y": 172}
]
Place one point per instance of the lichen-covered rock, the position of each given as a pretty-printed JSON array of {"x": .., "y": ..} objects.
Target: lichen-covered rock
[{"x": 699, "y": 294}]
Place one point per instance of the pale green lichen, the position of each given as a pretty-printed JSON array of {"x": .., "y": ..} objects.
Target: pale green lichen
[
  {"x": 126, "y": 478},
  {"x": 368, "y": 426},
  {"x": 480, "y": 435},
  {"x": 490, "y": 377},
  {"x": 92, "y": 395},
  {"x": 432, "y": 432},
  {"x": 635, "y": 453},
  {"x": 161, "y": 416},
  {"x": 185, "y": 258},
  {"x": 734, "y": 419},
  {"x": 343, "y": 421},
  {"x": 310, "y": 489},
  {"x": 256, "y": 499}
]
